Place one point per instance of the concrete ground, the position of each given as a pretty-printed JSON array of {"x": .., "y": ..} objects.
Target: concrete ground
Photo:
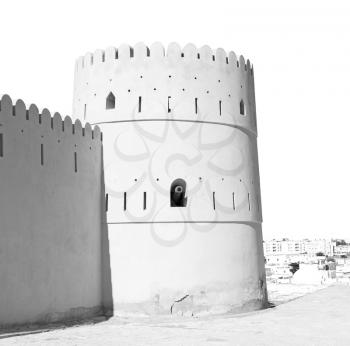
[{"x": 318, "y": 318}]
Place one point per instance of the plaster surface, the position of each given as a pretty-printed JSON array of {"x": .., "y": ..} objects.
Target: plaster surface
[
  {"x": 186, "y": 268},
  {"x": 177, "y": 115},
  {"x": 50, "y": 211}
]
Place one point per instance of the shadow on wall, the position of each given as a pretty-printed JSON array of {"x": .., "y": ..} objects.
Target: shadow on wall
[{"x": 106, "y": 279}]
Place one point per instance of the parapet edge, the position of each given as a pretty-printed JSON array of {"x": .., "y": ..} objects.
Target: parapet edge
[
  {"x": 53, "y": 121},
  {"x": 157, "y": 51}
]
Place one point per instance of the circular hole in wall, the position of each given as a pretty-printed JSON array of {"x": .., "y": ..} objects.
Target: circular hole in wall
[
  {"x": 229, "y": 95},
  {"x": 157, "y": 179},
  {"x": 207, "y": 91},
  {"x": 170, "y": 76},
  {"x": 219, "y": 81},
  {"x": 183, "y": 89},
  {"x": 129, "y": 90},
  {"x": 141, "y": 76},
  {"x": 195, "y": 77},
  {"x": 135, "y": 179},
  {"x": 154, "y": 89}
]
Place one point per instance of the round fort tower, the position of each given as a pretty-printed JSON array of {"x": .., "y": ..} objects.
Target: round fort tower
[{"x": 181, "y": 176}]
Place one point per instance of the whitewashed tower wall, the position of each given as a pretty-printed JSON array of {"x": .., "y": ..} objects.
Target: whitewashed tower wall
[{"x": 177, "y": 114}]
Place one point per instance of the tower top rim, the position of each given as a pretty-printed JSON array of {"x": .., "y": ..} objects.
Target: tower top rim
[{"x": 158, "y": 51}]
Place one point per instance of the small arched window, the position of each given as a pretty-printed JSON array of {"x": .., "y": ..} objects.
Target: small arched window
[
  {"x": 178, "y": 193},
  {"x": 110, "y": 101},
  {"x": 242, "y": 107}
]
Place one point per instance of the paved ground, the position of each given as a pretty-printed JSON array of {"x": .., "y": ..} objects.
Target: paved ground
[{"x": 319, "y": 318}]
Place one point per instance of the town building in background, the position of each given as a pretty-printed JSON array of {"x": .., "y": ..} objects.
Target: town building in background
[
  {"x": 299, "y": 247},
  {"x": 319, "y": 259}
]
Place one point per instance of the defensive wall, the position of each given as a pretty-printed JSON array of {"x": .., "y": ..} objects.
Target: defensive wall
[{"x": 52, "y": 239}]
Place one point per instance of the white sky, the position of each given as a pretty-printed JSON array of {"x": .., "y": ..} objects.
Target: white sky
[{"x": 301, "y": 57}]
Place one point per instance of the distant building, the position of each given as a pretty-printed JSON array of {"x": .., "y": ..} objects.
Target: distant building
[
  {"x": 284, "y": 246},
  {"x": 287, "y": 250},
  {"x": 342, "y": 249},
  {"x": 312, "y": 247}
]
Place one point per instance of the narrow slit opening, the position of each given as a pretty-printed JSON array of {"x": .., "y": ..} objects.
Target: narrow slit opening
[
  {"x": 248, "y": 201},
  {"x": 220, "y": 106},
  {"x": 106, "y": 202},
  {"x": 233, "y": 201},
  {"x": 42, "y": 154},
  {"x": 84, "y": 111},
  {"x": 214, "y": 200},
  {"x": 144, "y": 200},
  {"x": 1, "y": 145},
  {"x": 241, "y": 107},
  {"x": 124, "y": 200},
  {"x": 169, "y": 109},
  {"x": 75, "y": 162},
  {"x": 196, "y": 105},
  {"x": 140, "y": 102}
]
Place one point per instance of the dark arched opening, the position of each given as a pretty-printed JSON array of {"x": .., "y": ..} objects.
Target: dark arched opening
[
  {"x": 110, "y": 101},
  {"x": 242, "y": 107},
  {"x": 178, "y": 193}
]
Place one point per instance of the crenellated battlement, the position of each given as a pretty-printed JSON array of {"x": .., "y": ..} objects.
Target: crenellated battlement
[
  {"x": 18, "y": 114},
  {"x": 47, "y": 141},
  {"x": 157, "y": 51},
  {"x": 143, "y": 83}
]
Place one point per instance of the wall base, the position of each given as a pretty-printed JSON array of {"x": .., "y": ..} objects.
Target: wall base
[
  {"x": 169, "y": 271},
  {"x": 74, "y": 314}
]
